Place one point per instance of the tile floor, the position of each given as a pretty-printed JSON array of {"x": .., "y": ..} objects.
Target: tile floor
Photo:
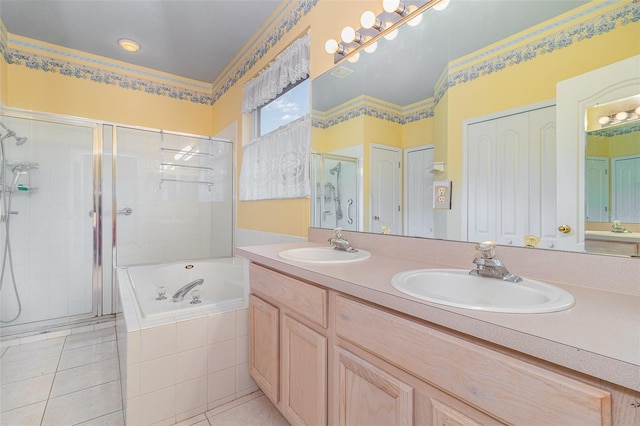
[{"x": 74, "y": 380}]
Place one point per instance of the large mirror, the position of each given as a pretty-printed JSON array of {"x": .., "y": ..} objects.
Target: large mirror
[{"x": 453, "y": 122}]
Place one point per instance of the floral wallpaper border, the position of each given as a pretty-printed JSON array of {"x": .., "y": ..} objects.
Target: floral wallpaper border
[
  {"x": 617, "y": 130},
  {"x": 553, "y": 42},
  {"x": 71, "y": 66}
]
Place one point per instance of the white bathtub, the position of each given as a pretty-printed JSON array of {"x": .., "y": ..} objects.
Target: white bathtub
[
  {"x": 223, "y": 288},
  {"x": 179, "y": 360}
]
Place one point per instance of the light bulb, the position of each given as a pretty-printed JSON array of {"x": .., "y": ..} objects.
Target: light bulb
[
  {"x": 442, "y": 5},
  {"x": 368, "y": 19},
  {"x": 129, "y": 45},
  {"x": 603, "y": 120},
  {"x": 638, "y": 110},
  {"x": 331, "y": 46},
  {"x": 348, "y": 34},
  {"x": 390, "y": 6},
  {"x": 354, "y": 58},
  {"x": 392, "y": 35},
  {"x": 622, "y": 115},
  {"x": 372, "y": 47}
]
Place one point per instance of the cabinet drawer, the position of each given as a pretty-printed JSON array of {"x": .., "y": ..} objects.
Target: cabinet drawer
[
  {"x": 508, "y": 388},
  {"x": 303, "y": 298}
]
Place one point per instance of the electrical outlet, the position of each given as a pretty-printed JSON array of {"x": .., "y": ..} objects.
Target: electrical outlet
[{"x": 442, "y": 194}]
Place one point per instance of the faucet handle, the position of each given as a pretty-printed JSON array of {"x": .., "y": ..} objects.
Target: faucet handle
[
  {"x": 337, "y": 233},
  {"x": 487, "y": 249}
]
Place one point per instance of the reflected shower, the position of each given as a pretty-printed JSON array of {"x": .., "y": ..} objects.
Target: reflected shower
[{"x": 10, "y": 133}]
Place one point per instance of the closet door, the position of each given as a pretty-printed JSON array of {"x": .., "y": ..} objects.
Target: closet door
[
  {"x": 543, "y": 203},
  {"x": 481, "y": 181},
  {"x": 512, "y": 168}
]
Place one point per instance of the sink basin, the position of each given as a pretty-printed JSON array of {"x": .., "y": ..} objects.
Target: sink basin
[
  {"x": 455, "y": 287},
  {"x": 323, "y": 255}
]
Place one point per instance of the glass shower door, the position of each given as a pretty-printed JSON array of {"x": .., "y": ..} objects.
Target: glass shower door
[{"x": 47, "y": 230}]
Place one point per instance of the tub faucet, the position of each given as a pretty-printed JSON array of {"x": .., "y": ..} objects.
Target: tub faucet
[
  {"x": 338, "y": 242},
  {"x": 489, "y": 266},
  {"x": 180, "y": 294}
]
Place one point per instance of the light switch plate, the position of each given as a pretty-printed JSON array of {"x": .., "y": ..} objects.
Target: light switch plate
[{"x": 442, "y": 194}]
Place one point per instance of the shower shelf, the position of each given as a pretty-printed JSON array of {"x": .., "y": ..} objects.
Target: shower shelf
[{"x": 186, "y": 153}]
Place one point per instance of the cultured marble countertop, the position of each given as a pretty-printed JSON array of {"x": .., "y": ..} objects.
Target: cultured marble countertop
[{"x": 598, "y": 336}]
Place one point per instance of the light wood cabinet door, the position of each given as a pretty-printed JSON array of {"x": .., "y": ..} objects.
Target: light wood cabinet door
[
  {"x": 304, "y": 374},
  {"x": 369, "y": 396},
  {"x": 263, "y": 346}
]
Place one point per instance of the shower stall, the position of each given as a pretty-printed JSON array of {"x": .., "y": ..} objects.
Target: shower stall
[
  {"x": 79, "y": 198},
  {"x": 335, "y": 192}
]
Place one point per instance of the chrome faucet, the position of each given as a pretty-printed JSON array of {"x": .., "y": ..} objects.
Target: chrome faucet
[
  {"x": 180, "y": 294},
  {"x": 338, "y": 242},
  {"x": 489, "y": 266}
]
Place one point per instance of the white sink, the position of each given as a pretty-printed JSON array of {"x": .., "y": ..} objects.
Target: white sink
[
  {"x": 455, "y": 287},
  {"x": 323, "y": 255}
]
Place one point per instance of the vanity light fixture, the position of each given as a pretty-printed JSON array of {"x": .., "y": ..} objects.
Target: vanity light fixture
[
  {"x": 349, "y": 35},
  {"x": 629, "y": 115},
  {"x": 129, "y": 45},
  {"x": 395, "y": 6},
  {"x": 373, "y": 27},
  {"x": 369, "y": 20}
]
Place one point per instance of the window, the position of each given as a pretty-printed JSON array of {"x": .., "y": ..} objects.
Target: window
[{"x": 290, "y": 105}]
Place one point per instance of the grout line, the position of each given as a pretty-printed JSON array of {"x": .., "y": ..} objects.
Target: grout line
[
  {"x": 55, "y": 374},
  {"x": 95, "y": 418},
  {"x": 233, "y": 404}
]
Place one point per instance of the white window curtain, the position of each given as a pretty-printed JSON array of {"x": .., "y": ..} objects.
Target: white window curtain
[
  {"x": 276, "y": 165},
  {"x": 290, "y": 66}
]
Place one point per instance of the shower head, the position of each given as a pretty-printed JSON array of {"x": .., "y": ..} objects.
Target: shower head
[
  {"x": 12, "y": 134},
  {"x": 336, "y": 169}
]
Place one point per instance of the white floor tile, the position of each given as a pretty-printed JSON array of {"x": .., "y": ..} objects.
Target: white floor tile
[
  {"x": 84, "y": 405},
  {"x": 21, "y": 370},
  {"x": 33, "y": 350},
  {"x": 85, "y": 376},
  {"x": 25, "y": 392},
  {"x": 259, "y": 411},
  {"x": 76, "y": 341},
  {"x": 88, "y": 354},
  {"x": 113, "y": 419},
  {"x": 27, "y": 415}
]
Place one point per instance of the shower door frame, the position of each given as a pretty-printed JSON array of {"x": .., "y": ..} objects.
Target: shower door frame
[{"x": 97, "y": 276}]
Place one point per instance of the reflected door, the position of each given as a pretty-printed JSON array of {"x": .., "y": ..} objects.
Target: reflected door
[
  {"x": 625, "y": 183},
  {"x": 419, "y": 192},
  {"x": 386, "y": 184},
  {"x": 597, "y": 190}
]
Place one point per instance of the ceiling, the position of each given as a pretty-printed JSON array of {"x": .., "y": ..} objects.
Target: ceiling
[{"x": 195, "y": 39}]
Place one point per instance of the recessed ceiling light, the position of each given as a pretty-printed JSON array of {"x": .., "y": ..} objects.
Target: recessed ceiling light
[{"x": 129, "y": 45}]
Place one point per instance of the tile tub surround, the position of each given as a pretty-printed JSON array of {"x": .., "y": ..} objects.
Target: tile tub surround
[
  {"x": 598, "y": 336},
  {"x": 174, "y": 369}
]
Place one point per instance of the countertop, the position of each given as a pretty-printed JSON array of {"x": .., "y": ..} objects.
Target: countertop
[
  {"x": 598, "y": 336},
  {"x": 623, "y": 237}
]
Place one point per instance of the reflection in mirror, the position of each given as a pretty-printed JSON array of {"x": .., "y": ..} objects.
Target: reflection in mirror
[{"x": 474, "y": 62}]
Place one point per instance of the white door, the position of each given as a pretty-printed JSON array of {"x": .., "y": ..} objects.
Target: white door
[
  {"x": 386, "y": 189},
  {"x": 616, "y": 81},
  {"x": 625, "y": 181},
  {"x": 418, "y": 202},
  {"x": 481, "y": 181},
  {"x": 511, "y": 178},
  {"x": 597, "y": 189}
]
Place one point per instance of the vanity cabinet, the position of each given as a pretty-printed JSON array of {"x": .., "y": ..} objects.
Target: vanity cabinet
[
  {"x": 509, "y": 390},
  {"x": 342, "y": 360},
  {"x": 288, "y": 344}
]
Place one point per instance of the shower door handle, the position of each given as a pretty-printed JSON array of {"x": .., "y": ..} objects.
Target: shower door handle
[
  {"x": 349, "y": 203},
  {"x": 127, "y": 211}
]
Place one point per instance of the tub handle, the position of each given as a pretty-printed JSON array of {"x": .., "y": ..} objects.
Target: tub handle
[{"x": 127, "y": 211}]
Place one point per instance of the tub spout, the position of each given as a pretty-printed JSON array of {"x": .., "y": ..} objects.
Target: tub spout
[{"x": 180, "y": 294}]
